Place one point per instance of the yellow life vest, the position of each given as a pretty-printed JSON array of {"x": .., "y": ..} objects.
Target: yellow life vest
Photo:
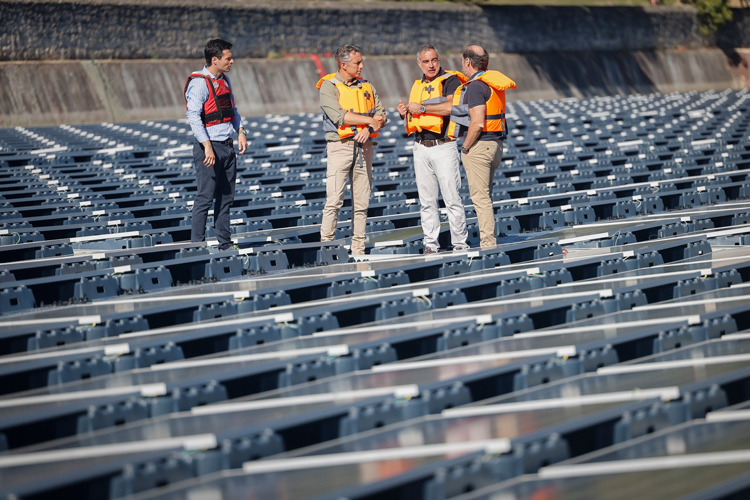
[
  {"x": 358, "y": 100},
  {"x": 428, "y": 93},
  {"x": 494, "y": 119}
]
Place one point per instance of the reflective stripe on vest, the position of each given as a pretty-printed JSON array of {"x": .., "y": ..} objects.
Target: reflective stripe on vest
[
  {"x": 494, "y": 120},
  {"x": 427, "y": 93},
  {"x": 219, "y": 107},
  {"x": 357, "y": 100}
]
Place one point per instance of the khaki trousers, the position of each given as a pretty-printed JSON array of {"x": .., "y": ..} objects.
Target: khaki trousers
[
  {"x": 338, "y": 173},
  {"x": 480, "y": 164}
]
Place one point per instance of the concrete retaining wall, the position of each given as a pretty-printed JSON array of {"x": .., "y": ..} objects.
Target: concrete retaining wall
[
  {"x": 124, "y": 60},
  {"x": 168, "y": 29},
  {"x": 51, "y": 93}
]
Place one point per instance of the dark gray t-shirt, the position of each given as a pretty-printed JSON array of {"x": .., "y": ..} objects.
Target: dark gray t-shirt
[{"x": 478, "y": 94}]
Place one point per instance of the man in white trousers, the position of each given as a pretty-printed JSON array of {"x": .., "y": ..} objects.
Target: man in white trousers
[{"x": 436, "y": 157}]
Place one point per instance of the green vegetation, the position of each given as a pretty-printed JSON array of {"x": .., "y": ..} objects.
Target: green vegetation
[{"x": 712, "y": 14}]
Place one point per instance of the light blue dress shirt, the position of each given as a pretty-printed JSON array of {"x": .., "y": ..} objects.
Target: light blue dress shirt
[{"x": 197, "y": 94}]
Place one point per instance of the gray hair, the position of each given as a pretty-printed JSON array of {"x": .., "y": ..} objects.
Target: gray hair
[
  {"x": 344, "y": 53},
  {"x": 427, "y": 46},
  {"x": 478, "y": 61}
]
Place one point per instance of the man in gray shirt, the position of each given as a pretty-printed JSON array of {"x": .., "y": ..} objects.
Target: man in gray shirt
[{"x": 352, "y": 116}]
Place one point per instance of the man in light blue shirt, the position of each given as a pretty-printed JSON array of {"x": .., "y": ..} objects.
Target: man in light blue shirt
[{"x": 213, "y": 117}]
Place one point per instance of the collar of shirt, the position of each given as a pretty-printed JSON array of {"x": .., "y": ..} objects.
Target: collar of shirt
[
  {"x": 440, "y": 73},
  {"x": 206, "y": 72},
  {"x": 354, "y": 83}
]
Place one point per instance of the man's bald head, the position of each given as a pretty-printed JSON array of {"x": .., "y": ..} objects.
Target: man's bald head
[{"x": 477, "y": 56}]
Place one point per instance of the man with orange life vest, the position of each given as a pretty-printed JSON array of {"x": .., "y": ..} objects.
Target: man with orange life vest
[
  {"x": 213, "y": 117},
  {"x": 479, "y": 113},
  {"x": 436, "y": 160},
  {"x": 352, "y": 115}
]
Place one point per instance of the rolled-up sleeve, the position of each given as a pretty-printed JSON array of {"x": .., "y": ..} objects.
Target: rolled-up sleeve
[
  {"x": 329, "y": 103},
  {"x": 196, "y": 95},
  {"x": 237, "y": 122}
]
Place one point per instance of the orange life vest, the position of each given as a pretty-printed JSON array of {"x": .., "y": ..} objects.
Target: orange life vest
[
  {"x": 358, "y": 100},
  {"x": 219, "y": 107},
  {"x": 494, "y": 119},
  {"x": 429, "y": 93}
]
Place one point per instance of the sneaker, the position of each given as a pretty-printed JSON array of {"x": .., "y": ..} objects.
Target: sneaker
[
  {"x": 461, "y": 248},
  {"x": 429, "y": 250}
]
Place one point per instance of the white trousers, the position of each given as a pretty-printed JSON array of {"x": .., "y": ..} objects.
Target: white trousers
[{"x": 437, "y": 170}]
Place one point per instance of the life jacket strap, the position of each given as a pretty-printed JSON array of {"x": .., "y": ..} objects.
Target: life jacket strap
[
  {"x": 328, "y": 125},
  {"x": 460, "y": 114}
]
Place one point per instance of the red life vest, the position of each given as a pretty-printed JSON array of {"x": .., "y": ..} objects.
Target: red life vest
[{"x": 219, "y": 107}]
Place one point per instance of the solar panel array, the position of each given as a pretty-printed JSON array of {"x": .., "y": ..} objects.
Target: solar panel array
[{"x": 600, "y": 350}]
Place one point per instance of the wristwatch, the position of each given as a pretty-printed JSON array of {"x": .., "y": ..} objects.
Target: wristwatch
[
  {"x": 464, "y": 150},
  {"x": 242, "y": 131},
  {"x": 422, "y": 108}
]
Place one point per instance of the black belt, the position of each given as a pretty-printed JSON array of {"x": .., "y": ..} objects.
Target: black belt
[
  {"x": 431, "y": 143},
  {"x": 229, "y": 142}
]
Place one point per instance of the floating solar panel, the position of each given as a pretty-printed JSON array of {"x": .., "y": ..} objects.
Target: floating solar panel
[{"x": 600, "y": 350}]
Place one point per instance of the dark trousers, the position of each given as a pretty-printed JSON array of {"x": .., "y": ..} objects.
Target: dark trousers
[{"x": 214, "y": 183}]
